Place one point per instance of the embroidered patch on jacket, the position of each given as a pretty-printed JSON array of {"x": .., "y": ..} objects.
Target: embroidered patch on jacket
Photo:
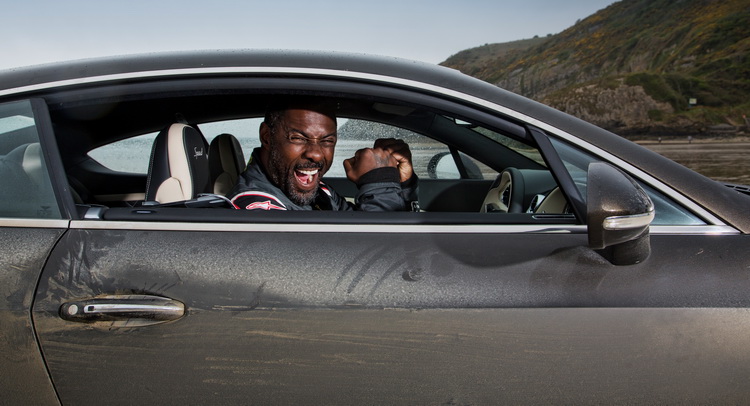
[
  {"x": 273, "y": 203},
  {"x": 267, "y": 205}
]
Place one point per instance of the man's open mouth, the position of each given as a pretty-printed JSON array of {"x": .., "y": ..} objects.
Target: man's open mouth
[{"x": 306, "y": 177}]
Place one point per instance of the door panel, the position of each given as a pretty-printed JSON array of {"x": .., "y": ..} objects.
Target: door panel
[{"x": 396, "y": 317}]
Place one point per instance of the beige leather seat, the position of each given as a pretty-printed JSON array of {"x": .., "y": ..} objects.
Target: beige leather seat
[
  {"x": 178, "y": 168},
  {"x": 32, "y": 164},
  {"x": 226, "y": 162}
]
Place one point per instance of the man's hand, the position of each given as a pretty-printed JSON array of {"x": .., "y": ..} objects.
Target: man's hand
[
  {"x": 401, "y": 152},
  {"x": 386, "y": 152},
  {"x": 367, "y": 159}
]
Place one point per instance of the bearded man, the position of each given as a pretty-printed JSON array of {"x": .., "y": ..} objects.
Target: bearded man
[{"x": 298, "y": 137}]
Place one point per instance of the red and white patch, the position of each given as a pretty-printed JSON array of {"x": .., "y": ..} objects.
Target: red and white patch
[
  {"x": 271, "y": 202},
  {"x": 267, "y": 205}
]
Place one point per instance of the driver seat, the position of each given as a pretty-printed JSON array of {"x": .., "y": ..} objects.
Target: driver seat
[{"x": 178, "y": 168}]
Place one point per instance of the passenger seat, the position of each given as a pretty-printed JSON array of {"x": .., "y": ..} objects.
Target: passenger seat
[
  {"x": 178, "y": 168},
  {"x": 226, "y": 162}
]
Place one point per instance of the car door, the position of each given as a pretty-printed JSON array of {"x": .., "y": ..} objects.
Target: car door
[
  {"x": 31, "y": 222},
  {"x": 175, "y": 306},
  {"x": 331, "y": 313}
]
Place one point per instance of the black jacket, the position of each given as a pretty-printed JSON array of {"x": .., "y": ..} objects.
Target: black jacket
[{"x": 379, "y": 190}]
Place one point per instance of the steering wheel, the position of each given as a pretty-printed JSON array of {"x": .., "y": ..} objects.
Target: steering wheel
[{"x": 506, "y": 193}]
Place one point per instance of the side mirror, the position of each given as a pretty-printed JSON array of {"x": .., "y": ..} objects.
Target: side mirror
[{"x": 618, "y": 215}]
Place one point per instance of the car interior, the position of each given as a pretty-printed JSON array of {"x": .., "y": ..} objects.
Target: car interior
[{"x": 470, "y": 170}]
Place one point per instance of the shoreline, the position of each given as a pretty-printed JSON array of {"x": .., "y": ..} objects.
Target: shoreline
[
  {"x": 675, "y": 139},
  {"x": 724, "y": 159}
]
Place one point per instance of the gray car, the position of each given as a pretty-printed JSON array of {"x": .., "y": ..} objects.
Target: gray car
[{"x": 547, "y": 260}]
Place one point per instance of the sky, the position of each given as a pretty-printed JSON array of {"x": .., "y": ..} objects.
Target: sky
[{"x": 42, "y": 31}]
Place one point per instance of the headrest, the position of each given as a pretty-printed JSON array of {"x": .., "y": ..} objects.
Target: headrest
[
  {"x": 178, "y": 168},
  {"x": 226, "y": 162},
  {"x": 32, "y": 163},
  {"x": 26, "y": 191}
]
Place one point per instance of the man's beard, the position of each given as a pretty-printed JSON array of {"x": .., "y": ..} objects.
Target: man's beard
[{"x": 287, "y": 181}]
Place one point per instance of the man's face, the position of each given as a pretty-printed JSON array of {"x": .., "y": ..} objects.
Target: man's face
[{"x": 300, "y": 150}]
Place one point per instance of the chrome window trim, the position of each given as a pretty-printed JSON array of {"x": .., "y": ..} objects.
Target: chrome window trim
[
  {"x": 381, "y": 228},
  {"x": 633, "y": 171},
  {"x": 693, "y": 230},
  {"x": 33, "y": 223},
  {"x": 328, "y": 227}
]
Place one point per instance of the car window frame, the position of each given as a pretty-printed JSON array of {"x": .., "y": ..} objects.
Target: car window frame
[
  {"x": 484, "y": 113},
  {"x": 54, "y": 166},
  {"x": 53, "y": 160}
]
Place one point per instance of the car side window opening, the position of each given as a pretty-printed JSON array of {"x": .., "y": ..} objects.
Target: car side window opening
[
  {"x": 668, "y": 212},
  {"x": 26, "y": 190},
  {"x": 457, "y": 160},
  {"x": 444, "y": 150}
]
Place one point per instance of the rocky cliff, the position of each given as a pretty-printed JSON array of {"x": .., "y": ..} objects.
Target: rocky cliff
[{"x": 637, "y": 66}]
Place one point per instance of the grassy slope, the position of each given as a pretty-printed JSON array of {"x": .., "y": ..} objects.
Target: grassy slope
[{"x": 674, "y": 50}]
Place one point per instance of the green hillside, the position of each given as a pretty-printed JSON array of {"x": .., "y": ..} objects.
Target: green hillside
[{"x": 634, "y": 66}]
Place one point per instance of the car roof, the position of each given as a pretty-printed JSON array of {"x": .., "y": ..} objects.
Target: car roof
[{"x": 728, "y": 204}]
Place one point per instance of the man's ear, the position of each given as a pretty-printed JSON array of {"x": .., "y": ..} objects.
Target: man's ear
[{"x": 265, "y": 135}]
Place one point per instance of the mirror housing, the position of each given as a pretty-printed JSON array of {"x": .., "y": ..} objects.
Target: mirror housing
[{"x": 618, "y": 215}]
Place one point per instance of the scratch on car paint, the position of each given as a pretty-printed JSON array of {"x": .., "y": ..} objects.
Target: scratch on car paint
[
  {"x": 258, "y": 294},
  {"x": 365, "y": 259},
  {"x": 276, "y": 334},
  {"x": 357, "y": 258},
  {"x": 254, "y": 302},
  {"x": 232, "y": 308},
  {"x": 422, "y": 344},
  {"x": 347, "y": 359},
  {"x": 236, "y": 382},
  {"x": 365, "y": 268},
  {"x": 395, "y": 266},
  {"x": 238, "y": 363},
  {"x": 73, "y": 272}
]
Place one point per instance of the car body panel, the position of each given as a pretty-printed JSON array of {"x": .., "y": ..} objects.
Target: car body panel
[{"x": 273, "y": 318}]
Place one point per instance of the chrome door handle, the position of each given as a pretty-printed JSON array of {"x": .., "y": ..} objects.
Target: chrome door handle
[{"x": 123, "y": 310}]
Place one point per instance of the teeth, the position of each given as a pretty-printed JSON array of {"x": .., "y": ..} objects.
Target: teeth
[{"x": 310, "y": 173}]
